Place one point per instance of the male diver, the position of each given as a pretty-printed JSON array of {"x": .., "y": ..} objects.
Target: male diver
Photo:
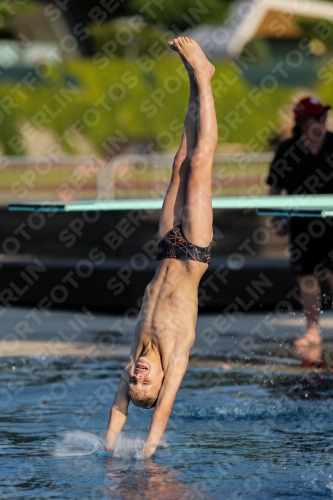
[{"x": 165, "y": 329}]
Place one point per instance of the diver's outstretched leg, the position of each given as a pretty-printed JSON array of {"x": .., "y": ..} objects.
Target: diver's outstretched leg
[
  {"x": 198, "y": 214},
  {"x": 175, "y": 198}
]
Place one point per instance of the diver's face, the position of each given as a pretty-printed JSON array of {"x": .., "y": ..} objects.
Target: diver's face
[{"x": 146, "y": 375}]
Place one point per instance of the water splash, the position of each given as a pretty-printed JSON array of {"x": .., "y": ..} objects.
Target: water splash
[
  {"x": 129, "y": 446},
  {"x": 79, "y": 443}
]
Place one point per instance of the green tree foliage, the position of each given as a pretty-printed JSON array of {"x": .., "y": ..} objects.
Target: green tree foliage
[
  {"x": 318, "y": 29},
  {"x": 117, "y": 8},
  {"x": 10, "y": 8},
  {"x": 114, "y": 97},
  {"x": 177, "y": 13},
  {"x": 181, "y": 15},
  {"x": 124, "y": 41}
]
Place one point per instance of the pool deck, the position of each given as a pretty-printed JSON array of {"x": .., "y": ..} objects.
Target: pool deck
[{"x": 238, "y": 338}]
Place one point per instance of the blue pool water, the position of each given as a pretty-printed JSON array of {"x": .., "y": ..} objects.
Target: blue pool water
[{"x": 233, "y": 435}]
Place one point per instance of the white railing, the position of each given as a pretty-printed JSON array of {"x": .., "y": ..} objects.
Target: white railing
[
  {"x": 44, "y": 178},
  {"x": 146, "y": 176},
  {"x": 76, "y": 178}
]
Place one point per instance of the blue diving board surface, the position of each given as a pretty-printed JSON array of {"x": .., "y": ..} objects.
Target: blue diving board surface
[{"x": 283, "y": 205}]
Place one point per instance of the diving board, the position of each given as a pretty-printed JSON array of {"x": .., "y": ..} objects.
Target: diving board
[{"x": 287, "y": 205}]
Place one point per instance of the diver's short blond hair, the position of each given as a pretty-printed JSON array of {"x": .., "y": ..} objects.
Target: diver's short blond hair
[{"x": 144, "y": 399}]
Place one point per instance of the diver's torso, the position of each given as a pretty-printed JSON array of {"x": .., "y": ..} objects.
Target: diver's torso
[{"x": 169, "y": 309}]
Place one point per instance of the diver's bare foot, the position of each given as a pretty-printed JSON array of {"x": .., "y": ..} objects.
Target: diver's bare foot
[
  {"x": 193, "y": 57},
  {"x": 188, "y": 67},
  {"x": 311, "y": 337},
  {"x": 311, "y": 353}
]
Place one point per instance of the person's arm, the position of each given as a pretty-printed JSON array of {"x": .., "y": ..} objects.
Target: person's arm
[
  {"x": 118, "y": 413},
  {"x": 276, "y": 182},
  {"x": 278, "y": 169},
  {"x": 171, "y": 383},
  {"x": 279, "y": 224}
]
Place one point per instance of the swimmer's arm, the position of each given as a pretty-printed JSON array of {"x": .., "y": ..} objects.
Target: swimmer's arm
[
  {"x": 118, "y": 413},
  {"x": 166, "y": 398}
]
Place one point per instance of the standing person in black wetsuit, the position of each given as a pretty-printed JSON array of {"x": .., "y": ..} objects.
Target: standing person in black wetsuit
[
  {"x": 165, "y": 329},
  {"x": 303, "y": 164}
]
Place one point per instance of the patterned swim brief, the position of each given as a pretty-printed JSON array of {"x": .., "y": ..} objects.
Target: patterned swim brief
[{"x": 175, "y": 246}]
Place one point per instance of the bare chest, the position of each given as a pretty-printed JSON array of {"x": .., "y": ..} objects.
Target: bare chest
[{"x": 168, "y": 321}]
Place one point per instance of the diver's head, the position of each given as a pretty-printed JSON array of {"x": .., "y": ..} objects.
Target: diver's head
[{"x": 145, "y": 381}]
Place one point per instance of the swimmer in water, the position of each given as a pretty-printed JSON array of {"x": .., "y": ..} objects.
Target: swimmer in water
[{"x": 165, "y": 329}]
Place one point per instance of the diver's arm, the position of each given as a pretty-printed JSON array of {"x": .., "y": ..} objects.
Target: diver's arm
[
  {"x": 118, "y": 413},
  {"x": 171, "y": 384}
]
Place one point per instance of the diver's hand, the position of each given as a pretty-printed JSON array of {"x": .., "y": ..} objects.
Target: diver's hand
[
  {"x": 110, "y": 441},
  {"x": 149, "y": 449},
  {"x": 115, "y": 426}
]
